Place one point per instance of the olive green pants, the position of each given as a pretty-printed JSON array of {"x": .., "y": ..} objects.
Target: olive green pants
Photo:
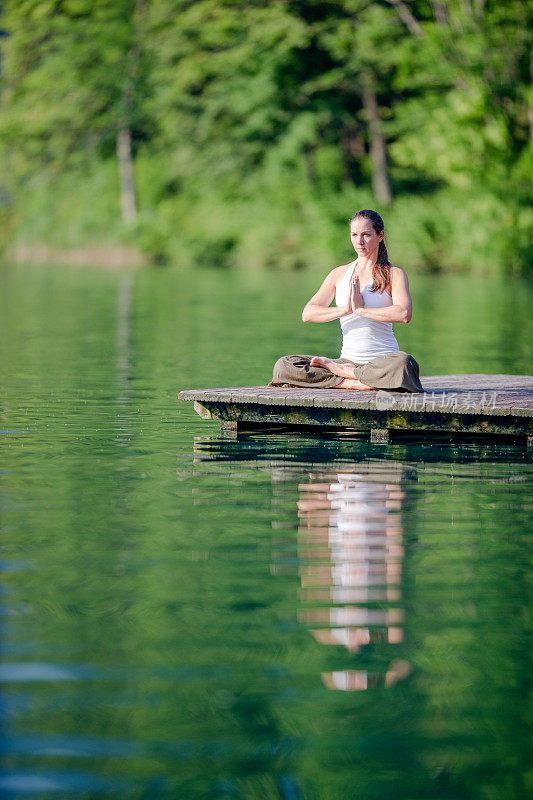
[{"x": 396, "y": 371}]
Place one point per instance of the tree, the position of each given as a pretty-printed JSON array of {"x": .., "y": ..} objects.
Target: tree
[{"x": 74, "y": 81}]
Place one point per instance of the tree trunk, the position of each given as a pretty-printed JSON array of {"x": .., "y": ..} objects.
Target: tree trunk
[
  {"x": 530, "y": 104},
  {"x": 407, "y": 18},
  {"x": 466, "y": 8},
  {"x": 378, "y": 148},
  {"x": 128, "y": 205},
  {"x": 440, "y": 13},
  {"x": 309, "y": 164}
]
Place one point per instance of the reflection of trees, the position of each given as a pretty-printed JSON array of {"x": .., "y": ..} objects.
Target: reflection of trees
[
  {"x": 350, "y": 547},
  {"x": 124, "y": 329},
  {"x": 173, "y": 599}
]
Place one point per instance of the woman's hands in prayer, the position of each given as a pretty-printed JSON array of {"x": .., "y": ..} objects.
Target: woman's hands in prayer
[{"x": 356, "y": 298}]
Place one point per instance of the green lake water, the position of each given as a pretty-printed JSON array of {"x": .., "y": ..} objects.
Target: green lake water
[{"x": 279, "y": 616}]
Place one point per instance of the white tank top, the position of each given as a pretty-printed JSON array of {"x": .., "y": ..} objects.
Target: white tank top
[{"x": 364, "y": 339}]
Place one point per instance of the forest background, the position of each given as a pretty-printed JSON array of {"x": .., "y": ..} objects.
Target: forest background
[{"x": 232, "y": 133}]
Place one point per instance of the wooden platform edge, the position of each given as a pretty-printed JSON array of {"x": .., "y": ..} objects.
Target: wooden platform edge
[
  {"x": 364, "y": 419},
  {"x": 507, "y": 409}
]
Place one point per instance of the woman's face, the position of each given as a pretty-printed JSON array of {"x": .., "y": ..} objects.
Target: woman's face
[{"x": 364, "y": 238}]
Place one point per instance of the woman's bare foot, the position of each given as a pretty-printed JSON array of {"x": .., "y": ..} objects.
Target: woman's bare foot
[
  {"x": 349, "y": 381},
  {"x": 353, "y": 383},
  {"x": 327, "y": 363}
]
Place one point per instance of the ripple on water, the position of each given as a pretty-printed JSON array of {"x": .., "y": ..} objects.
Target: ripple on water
[{"x": 274, "y": 616}]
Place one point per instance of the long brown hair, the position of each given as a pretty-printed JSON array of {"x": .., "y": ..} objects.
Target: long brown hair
[{"x": 381, "y": 269}]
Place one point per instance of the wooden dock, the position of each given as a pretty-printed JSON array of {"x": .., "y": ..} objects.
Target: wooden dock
[{"x": 490, "y": 405}]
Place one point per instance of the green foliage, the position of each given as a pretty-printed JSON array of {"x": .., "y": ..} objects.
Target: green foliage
[{"x": 252, "y": 141}]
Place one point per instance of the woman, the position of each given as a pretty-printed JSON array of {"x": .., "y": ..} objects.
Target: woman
[{"x": 370, "y": 295}]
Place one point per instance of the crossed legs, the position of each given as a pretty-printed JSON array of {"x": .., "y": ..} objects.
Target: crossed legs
[{"x": 341, "y": 370}]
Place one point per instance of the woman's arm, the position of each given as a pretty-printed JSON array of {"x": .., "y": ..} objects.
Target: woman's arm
[
  {"x": 318, "y": 308},
  {"x": 401, "y": 309}
]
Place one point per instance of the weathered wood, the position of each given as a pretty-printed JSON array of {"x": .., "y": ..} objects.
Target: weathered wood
[
  {"x": 490, "y": 404},
  {"x": 202, "y": 411},
  {"x": 379, "y": 435},
  {"x": 229, "y": 428}
]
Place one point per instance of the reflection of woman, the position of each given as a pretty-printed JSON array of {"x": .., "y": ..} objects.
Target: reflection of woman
[
  {"x": 370, "y": 295},
  {"x": 350, "y": 547}
]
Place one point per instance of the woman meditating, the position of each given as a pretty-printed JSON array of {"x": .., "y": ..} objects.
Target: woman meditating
[{"x": 370, "y": 294}]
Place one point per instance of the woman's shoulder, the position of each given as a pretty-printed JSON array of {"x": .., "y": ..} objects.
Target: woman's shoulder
[
  {"x": 397, "y": 274},
  {"x": 334, "y": 276},
  {"x": 338, "y": 273}
]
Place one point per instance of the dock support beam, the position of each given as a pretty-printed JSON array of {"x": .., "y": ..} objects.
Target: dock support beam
[
  {"x": 202, "y": 411},
  {"x": 229, "y": 428},
  {"x": 379, "y": 435}
]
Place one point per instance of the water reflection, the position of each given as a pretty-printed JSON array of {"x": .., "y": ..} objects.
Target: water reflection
[
  {"x": 124, "y": 333},
  {"x": 350, "y": 554},
  {"x": 350, "y": 545},
  {"x": 177, "y": 635}
]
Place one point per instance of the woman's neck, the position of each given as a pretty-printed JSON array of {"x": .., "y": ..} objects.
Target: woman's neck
[{"x": 365, "y": 264}]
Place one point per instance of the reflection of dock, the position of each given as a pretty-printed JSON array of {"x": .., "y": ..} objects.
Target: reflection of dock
[{"x": 452, "y": 404}]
